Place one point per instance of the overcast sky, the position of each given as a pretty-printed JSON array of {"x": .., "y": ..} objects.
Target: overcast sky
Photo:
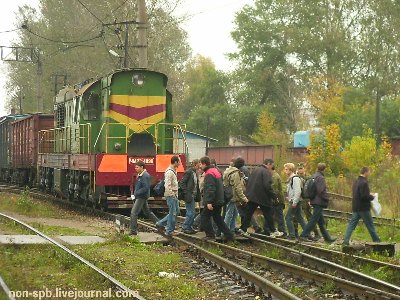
[{"x": 208, "y": 26}]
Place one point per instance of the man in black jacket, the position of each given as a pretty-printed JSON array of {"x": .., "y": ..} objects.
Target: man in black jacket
[
  {"x": 213, "y": 199},
  {"x": 189, "y": 185},
  {"x": 361, "y": 207},
  {"x": 259, "y": 192},
  {"x": 319, "y": 202}
]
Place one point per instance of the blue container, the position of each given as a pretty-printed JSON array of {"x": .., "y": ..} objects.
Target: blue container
[{"x": 301, "y": 139}]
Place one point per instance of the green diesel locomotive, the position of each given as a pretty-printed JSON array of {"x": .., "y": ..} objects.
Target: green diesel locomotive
[{"x": 104, "y": 126}]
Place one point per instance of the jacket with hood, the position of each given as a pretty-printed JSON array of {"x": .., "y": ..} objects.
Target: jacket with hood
[
  {"x": 322, "y": 198},
  {"x": 232, "y": 177},
  {"x": 213, "y": 191},
  {"x": 259, "y": 187}
]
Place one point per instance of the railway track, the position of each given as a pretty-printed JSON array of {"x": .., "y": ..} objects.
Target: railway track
[
  {"x": 117, "y": 284},
  {"x": 331, "y": 255},
  {"x": 359, "y": 285},
  {"x": 348, "y": 287}
]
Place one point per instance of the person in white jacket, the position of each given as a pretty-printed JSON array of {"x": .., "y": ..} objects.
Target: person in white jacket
[
  {"x": 294, "y": 186},
  {"x": 171, "y": 195}
]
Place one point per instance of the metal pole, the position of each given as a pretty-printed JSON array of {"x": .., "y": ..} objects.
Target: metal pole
[
  {"x": 208, "y": 133},
  {"x": 39, "y": 86},
  {"x": 142, "y": 33},
  {"x": 126, "y": 46}
]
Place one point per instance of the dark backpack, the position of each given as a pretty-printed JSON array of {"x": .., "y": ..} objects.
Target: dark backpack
[
  {"x": 228, "y": 190},
  {"x": 159, "y": 188},
  {"x": 309, "y": 190}
]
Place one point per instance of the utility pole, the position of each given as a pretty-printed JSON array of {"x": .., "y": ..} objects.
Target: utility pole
[
  {"x": 142, "y": 33},
  {"x": 378, "y": 116},
  {"x": 21, "y": 98},
  {"x": 40, "y": 107},
  {"x": 57, "y": 82},
  {"x": 126, "y": 46}
]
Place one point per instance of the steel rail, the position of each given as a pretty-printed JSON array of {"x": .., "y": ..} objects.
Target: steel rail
[
  {"x": 338, "y": 269},
  {"x": 117, "y": 283},
  {"x": 260, "y": 282},
  {"x": 328, "y": 253},
  {"x": 6, "y": 289},
  {"x": 282, "y": 266}
]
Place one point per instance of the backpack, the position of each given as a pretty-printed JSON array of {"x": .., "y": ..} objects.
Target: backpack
[
  {"x": 228, "y": 190},
  {"x": 309, "y": 190},
  {"x": 159, "y": 188}
]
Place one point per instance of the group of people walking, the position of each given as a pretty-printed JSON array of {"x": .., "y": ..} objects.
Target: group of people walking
[{"x": 234, "y": 192}]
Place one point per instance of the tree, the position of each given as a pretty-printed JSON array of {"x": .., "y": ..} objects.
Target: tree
[
  {"x": 72, "y": 41},
  {"x": 267, "y": 132}
]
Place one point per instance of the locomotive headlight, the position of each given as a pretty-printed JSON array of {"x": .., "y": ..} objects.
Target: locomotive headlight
[
  {"x": 117, "y": 146},
  {"x": 138, "y": 79}
]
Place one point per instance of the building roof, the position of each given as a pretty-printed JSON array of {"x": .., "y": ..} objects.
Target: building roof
[{"x": 198, "y": 135}]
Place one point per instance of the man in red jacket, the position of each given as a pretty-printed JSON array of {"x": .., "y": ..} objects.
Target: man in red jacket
[{"x": 213, "y": 199}]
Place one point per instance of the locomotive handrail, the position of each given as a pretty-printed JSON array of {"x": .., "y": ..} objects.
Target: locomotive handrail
[{"x": 98, "y": 136}]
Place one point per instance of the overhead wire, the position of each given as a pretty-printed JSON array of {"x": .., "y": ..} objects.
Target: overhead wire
[{"x": 61, "y": 41}]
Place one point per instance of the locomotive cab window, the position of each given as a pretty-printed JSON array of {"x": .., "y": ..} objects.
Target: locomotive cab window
[{"x": 92, "y": 106}]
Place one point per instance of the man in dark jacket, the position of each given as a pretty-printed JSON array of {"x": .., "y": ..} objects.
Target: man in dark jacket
[
  {"x": 213, "y": 199},
  {"x": 259, "y": 192},
  {"x": 361, "y": 207},
  {"x": 189, "y": 186},
  {"x": 140, "y": 196},
  {"x": 319, "y": 202}
]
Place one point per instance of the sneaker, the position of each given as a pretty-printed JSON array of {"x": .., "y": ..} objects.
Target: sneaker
[
  {"x": 189, "y": 231},
  {"x": 331, "y": 240},
  {"x": 244, "y": 233},
  {"x": 172, "y": 234},
  {"x": 276, "y": 234},
  {"x": 258, "y": 230},
  {"x": 160, "y": 229}
]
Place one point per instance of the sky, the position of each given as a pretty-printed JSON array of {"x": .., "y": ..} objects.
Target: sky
[{"x": 209, "y": 25}]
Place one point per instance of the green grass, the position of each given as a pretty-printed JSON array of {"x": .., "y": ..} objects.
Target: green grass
[
  {"x": 33, "y": 267},
  {"x": 328, "y": 287},
  {"x": 298, "y": 291},
  {"x": 24, "y": 204},
  {"x": 11, "y": 227}
]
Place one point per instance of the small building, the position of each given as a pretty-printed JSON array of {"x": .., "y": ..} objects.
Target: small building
[{"x": 196, "y": 144}]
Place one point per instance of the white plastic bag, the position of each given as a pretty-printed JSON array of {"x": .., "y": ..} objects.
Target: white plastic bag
[{"x": 376, "y": 206}]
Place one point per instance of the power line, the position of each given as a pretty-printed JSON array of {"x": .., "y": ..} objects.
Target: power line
[
  {"x": 96, "y": 17},
  {"x": 61, "y": 41},
  {"x": 11, "y": 30}
]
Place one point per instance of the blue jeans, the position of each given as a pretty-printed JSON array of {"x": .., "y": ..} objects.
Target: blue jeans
[
  {"x": 316, "y": 218},
  {"x": 138, "y": 206},
  {"x": 231, "y": 215},
  {"x": 368, "y": 221},
  {"x": 189, "y": 218},
  {"x": 169, "y": 220},
  {"x": 296, "y": 213}
]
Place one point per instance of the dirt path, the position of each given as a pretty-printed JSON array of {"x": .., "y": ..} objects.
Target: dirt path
[{"x": 94, "y": 226}]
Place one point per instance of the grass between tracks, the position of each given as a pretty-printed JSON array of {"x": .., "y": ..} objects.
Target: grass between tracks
[
  {"x": 37, "y": 267},
  {"x": 24, "y": 204}
]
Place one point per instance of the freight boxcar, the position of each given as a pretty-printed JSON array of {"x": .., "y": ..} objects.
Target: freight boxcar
[
  {"x": 6, "y": 168},
  {"x": 24, "y": 146}
]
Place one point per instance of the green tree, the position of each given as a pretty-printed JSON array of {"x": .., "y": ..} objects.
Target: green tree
[{"x": 57, "y": 22}]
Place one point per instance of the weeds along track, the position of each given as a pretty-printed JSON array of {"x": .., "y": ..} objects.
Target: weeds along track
[
  {"x": 322, "y": 265},
  {"x": 342, "y": 215},
  {"x": 286, "y": 275},
  {"x": 338, "y": 257},
  {"x": 117, "y": 284},
  {"x": 238, "y": 271},
  {"x": 308, "y": 271}
]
